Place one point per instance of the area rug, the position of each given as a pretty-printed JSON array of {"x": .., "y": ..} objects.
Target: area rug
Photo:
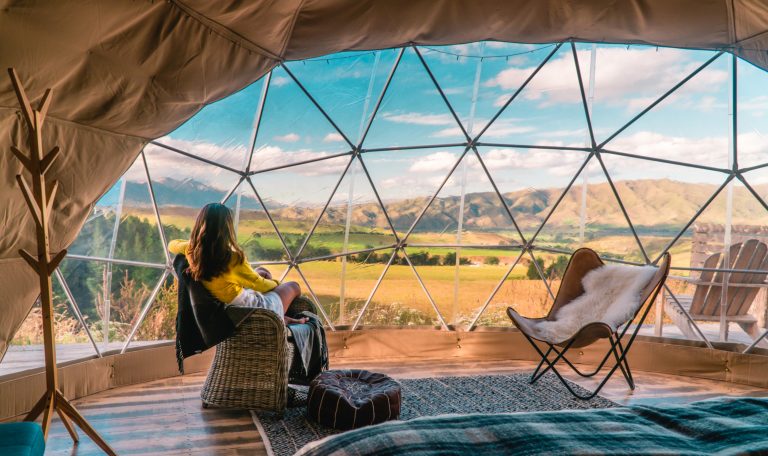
[{"x": 434, "y": 396}]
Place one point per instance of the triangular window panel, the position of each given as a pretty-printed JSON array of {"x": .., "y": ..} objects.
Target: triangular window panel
[
  {"x": 181, "y": 195},
  {"x": 131, "y": 289},
  {"x": 407, "y": 179},
  {"x": 524, "y": 291},
  {"x": 95, "y": 236},
  {"x": 293, "y": 275},
  {"x": 467, "y": 211},
  {"x": 758, "y": 180},
  {"x": 399, "y": 300},
  {"x": 549, "y": 110},
  {"x": 693, "y": 123},
  {"x": 292, "y": 128},
  {"x": 532, "y": 180},
  {"x": 160, "y": 321},
  {"x": 747, "y": 210},
  {"x": 629, "y": 78},
  {"x": 85, "y": 280},
  {"x": 752, "y": 144},
  {"x": 460, "y": 290},
  {"x": 477, "y": 78},
  {"x": 255, "y": 233},
  {"x": 26, "y": 348},
  {"x": 589, "y": 215},
  {"x": 343, "y": 284},
  {"x": 222, "y": 131},
  {"x": 295, "y": 196},
  {"x": 353, "y": 221},
  {"x": 407, "y": 120},
  {"x": 660, "y": 198},
  {"x": 347, "y": 86},
  {"x": 138, "y": 236},
  {"x": 68, "y": 328}
]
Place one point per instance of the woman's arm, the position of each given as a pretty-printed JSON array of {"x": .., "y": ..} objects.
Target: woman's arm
[
  {"x": 249, "y": 278},
  {"x": 178, "y": 246},
  {"x": 264, "y": 272}
]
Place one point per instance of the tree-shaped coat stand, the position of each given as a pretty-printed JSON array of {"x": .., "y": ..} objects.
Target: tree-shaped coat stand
[{"x": 39, "y": 198}]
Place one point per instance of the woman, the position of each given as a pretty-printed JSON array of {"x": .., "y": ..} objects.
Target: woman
[{"x": 219, "y": 263}]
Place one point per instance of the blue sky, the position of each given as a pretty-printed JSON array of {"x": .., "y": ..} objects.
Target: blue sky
[{"x": 691, "y": 125}]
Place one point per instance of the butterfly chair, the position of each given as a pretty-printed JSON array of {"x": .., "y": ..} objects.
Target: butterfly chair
[
  {"x": 704, "y": 304},
  {"x": 583, "y": 261}
]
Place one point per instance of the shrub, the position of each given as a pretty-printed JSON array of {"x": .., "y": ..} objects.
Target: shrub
[
  {"x": 450, "y": 259},
  {"x": 557, "y": 268},
  {"x": 532, "y": 272}
]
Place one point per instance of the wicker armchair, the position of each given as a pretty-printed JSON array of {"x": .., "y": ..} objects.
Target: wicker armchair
[{"x": 252, "y": 369}]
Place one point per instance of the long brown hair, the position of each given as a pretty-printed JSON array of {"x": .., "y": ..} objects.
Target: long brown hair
[{"x": 213, "y": 243}]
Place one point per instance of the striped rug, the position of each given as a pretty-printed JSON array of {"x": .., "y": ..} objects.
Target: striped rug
[{"x": 435, "y": 396}]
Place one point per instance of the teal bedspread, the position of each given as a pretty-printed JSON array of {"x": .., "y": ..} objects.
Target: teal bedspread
[{"x": 721, "y": 426}]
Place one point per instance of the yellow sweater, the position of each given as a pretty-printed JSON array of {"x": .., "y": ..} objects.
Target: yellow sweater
[{"x": 227, "y": 285}]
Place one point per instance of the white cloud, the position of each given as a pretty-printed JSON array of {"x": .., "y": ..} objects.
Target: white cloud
[
  {"x": 289, "y": 138},
  {"x": 273, "y": 156},
  {"x": 451, "y": 132},
  {"x": 622, "y": 75},
  {"x": 438, "y": 161},
  {"x": 503, "y": 128},
  {"x": 333, "y": 137},
  {"x": 164, "y": 163},
  {"x": 639, "y": 103},
  {"x": 752, "y": 148},
  {"x": 417, "y": 118},
  {"x": 557, "y": 163},
  {"x": 455, "y": 90},
  {"x": 710, "y": 151},
  {"x": 756, "y": 106},
  {"x": 279, "y": 81},
  {"x": 416, "y": 185},
  {"x": 577, "y": 133}
]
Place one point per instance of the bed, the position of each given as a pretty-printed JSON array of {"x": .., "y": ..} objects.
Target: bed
[{"x": 723, "y": 426}]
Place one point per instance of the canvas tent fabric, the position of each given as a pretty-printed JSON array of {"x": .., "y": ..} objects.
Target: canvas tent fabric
[{"x": 125, "y": 72}]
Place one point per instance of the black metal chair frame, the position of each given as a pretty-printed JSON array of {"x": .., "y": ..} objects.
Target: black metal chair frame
[{"x": 616, "y": 348}]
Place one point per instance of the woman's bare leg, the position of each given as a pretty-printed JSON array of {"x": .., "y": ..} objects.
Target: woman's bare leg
[{"x": 289, "y": 291}]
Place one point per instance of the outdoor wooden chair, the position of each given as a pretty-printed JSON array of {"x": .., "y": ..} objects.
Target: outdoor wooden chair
[
  {"x": 705, "y": 302},
  {"x": 252, "y": 368},
  {"x": 583, "y": 261}
]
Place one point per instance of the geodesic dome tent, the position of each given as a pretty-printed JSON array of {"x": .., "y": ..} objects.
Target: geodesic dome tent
[{"x": 404, "y": 161}]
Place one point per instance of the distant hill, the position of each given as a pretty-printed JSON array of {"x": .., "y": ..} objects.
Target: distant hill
[
  {"x": 650, "y": 203},
  {"x": 182, "y": 192}
]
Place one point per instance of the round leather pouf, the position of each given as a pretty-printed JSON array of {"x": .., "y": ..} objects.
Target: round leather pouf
[{"x": 349, "y": 399}]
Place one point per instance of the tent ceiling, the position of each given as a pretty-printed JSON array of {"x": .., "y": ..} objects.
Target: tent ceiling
[{"x": 128, "y": 71}]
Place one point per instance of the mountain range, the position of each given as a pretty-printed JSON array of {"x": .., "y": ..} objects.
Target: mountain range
[{"x": 649, "y": 203}]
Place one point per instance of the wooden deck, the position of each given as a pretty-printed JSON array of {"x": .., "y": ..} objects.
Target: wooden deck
[{"x": 165, "y": 417}]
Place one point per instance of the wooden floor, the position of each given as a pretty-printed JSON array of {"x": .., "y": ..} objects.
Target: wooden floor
[{"x": 165, "y": 417}]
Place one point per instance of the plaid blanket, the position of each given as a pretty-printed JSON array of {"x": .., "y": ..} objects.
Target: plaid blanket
[{"x": 722, "y": 426}]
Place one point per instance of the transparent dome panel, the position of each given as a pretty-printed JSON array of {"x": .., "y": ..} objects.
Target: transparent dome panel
[{"x": 221, "y": 132}]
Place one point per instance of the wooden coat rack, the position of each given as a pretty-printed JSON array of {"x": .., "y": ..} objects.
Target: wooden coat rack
[{"x": 39, "y": 198}]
